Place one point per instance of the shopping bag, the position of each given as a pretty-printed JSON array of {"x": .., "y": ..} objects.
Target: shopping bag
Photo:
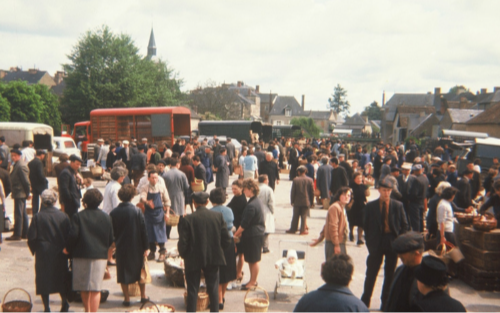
[
  {"x": 145, "y": 275},
  {"x": 197, "y": 185}
]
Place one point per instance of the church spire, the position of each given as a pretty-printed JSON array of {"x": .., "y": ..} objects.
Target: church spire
[{"x": 152, "y": 45}]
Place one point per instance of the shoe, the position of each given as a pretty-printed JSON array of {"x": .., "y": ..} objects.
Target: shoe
[
  {"x": 65, "y": 307},
  {"x": 290, "y": 231},
  {"x": 360, "y": 242},
  {"x": 111, "y": 263},
  {"x": 144, "y": 300},
  {"x": 221, "y": 306},
  {"x": 13, "y": 238},
  {"x": 351, "y": 237},
  {"x": 244, "y": 287},
  {"x": 24, "y": 237},
  {"x": 265, "y": 250},
  {"x": 161, "y": 258},
  {"x": 126, "y": 303},
  {"x": 304, "y": 233},
  {"x": 229, "y": 286},
  {"x": 151, "y": 256}
]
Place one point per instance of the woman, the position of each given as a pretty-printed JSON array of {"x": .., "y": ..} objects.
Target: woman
[
  {"x": 432, "y": 205},
  {"x": 227, "y": 273},
  {"x": 355, "y": 214},
  {"x": 131, "y": 242},
  {"x": 2, "y": 210},
  {"x": 445, "y": 216},
  {"x": 187, "y": 169},
  {"x": 111, "y": 158},
  {"x": 90, "y": 238},
  {"x": 47, "y": 236},
  {"x": 188, "y": 148},
  {"x": 237, "y": 205},
  {"x": 335, "y": 230},
  {"x": 493, "y": 202},
  {"x": 251, "y": 231}
]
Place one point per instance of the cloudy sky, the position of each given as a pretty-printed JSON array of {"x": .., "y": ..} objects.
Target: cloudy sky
[{"x": 289, "y": 47}]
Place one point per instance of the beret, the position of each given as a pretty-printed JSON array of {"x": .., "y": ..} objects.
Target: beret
[
  {"x": 416, "y": 167},
  {"x": 342, "y": 155},
  {"x": 394, "y": 169},
  {"x": 431, "y": 272},
  {"x": 16, "y": 151},
  {"x": 74, "y": 157},
  {"x": 386, "y": 182},
  {"x": 407, "y": 242},
  {"x": 387, "y": 158},
  {"x": 200, "y": 197}
]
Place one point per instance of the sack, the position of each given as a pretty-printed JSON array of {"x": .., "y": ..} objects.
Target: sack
[
  {"x": 447, "y": 252},
  {"x": 197, "y": 185},
  {"x": 145, "y": 275}
]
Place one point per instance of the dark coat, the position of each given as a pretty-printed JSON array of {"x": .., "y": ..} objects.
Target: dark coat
[
  {"x": 222, "y": 174},
  {"x": 324, "y": 180},
  {"x": 271, "y": 170},
  {"x": 330, "y": 298},
  {"x": 110, "y": 159},
  {"x": 293, "y": 160},
  {"x": 237, "y": 205},
  {"x": 373, "y": 225},
  {"x": 131, "y": 241},
  {"x": 201, "y": 173},
  {"x": 203, "y": 237},
  {"x": 47, "y": 237},
  {"x": 339, "y": 179},
  {"x": 20, "y": 182},
  {"x": 252, "y": 220},
  {"x": 5, "y": 178},
  {"x": 260, "y": 155},
  {"x": 463, "y": 197},
  {"x": 403, "y": 292},
  {"x": 417, "y": 189},
  {"x": 122, "y": 155},
  {"x": 348, "y": 169},
  {"x": 437, "y": 301},
  {"x": 68, "y": 191},
  {"x": 302, "y": 192},
  {"x": 138, "y": 161},
  {"x": 91, "y": 234},
  {"x": 37, "y": 178},
  {"x": 59, "y": 168}
]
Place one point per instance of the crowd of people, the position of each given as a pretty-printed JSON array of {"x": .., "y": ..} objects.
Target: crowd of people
[{"x": 335, "y": 175}]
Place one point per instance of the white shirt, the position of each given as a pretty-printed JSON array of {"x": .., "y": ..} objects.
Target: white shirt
[
  {"x": 111, "y": 200},
  {"x": 28, "y": 154},
  {"x": 445, "y": 215}
]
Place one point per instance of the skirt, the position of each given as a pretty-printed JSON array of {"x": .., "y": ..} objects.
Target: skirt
[
  {"x": 252, "y": 248},
  {"x": 88, "y": 274},
  {"x": 227, "y": 272}
]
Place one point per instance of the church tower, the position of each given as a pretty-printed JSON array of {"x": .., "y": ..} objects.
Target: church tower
[{"x": 152, "y": 46}]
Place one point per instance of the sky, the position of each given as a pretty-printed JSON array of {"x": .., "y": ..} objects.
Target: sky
[{"x": 288, "y": 47}]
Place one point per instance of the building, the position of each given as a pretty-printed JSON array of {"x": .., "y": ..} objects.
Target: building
[
  {"x": 456, "y": 119},
  {"x": 413, "y": 121},
  {"x": 152, "y": 47},
  {"x": 359, "y": 125},
  {"x": 31, "y": 76},
  {"x": 487, "y": 121}
]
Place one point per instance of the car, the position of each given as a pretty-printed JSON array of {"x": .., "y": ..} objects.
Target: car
[{"x": 63, "y": 145}]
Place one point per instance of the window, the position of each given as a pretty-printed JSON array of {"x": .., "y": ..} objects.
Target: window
[
  {"x": 288, "y": 112},
  {"x": 278, "y": 123}
]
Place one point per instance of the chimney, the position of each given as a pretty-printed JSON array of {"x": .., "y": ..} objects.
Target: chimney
[
  {"x": 58, "y": 77},
  {"x": 257, "y": 89},
  {"x": 437, "y": 91},
  {"x": 484, "y": 90},
  {"x": 15, "y": 69},
  {"x": 496, "y": 89},
  {"x": 32, "y": 71},
  {"x": 383, "y": 98},
  {"x": 2, "y": 74},
  {"x": 303, "y": 102},
  {"x": 239, "y": 83}
]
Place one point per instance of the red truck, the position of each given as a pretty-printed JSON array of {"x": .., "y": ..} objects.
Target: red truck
[{"x": 158, "y": 124}]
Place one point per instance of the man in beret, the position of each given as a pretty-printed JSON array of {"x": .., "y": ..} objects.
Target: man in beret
[
  {"x": 384, "y": 221},
  {"x": 21, "y": 187},
  {"x": 404, "y": 291},
  {"x": 68, "y": 186},
  {"x": 203, "y": 236},
  {"x": 417, "y": 197}
]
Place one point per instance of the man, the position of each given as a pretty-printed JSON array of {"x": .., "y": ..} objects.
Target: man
[
  {"x": 222, "y": 170},
  {"x": 334, "y": 296},
  {"x": 259, "y": 154},
  {"x": 463, "y": 197},
  {"x": 28, "y": 151},
  {"x": 417, "y": 197},
  {"x": 394, "y": 178},
  {"x": 377, "y": 165},
  {"x": 339, "y": 177},
  {"x": 404, "y": 291},
  {"x": 347, "y": 167},
  {"x": 207, "y": 161},
  {"x": 110, "y": 198},
  {"x": 125, "y": 154},
  {"x": 452, "y": 175},
  {"x": 434, "y": 180},
  {"x": 37, "y": 179},
  {"x": 68, "y": 187},
  {"x": 386, "y": 167},
  {"x": 343, "y": 150},
  {"x": 216, "y": 148},
  {"x": 155, "y": 198},
  {"x": 178, "y": 187},
  {"x": 293, "y": 160},
  {"x": 200, "y": 171},
  {"x": 270, "y": 168},
  {"x": 154, "y": 156},
  {"x": 97, "y": 149},
  {"x": 5, "y": 178},
  {"x": 323, "y": 182},
  {"x": 432, "y": 281},
  {"x": 301, "y": 199},
  {"x": 19, "y": 178},
  {"x": 103, "y": 155},
  {"x": 4, "y": 154},
  {"x": 402, "y": 184},
  {"x": 384, "y": 221},
  {"x": 138, "y": 165},
  {"x": 144, "y": 144},
  {"x": 203, "y": 236},
  {"x": 231, "y": 154},
  {"x": 475, "y": 181},
  {"x": 250, "y": 165}
]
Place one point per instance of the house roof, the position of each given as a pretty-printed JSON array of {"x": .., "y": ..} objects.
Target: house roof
[
  {"x": 408, "y": 99},
  {"x": 422, "y": 121},
  {"x": 29, "y": 77},
  {"x": 462, "y": 116},
  {"x": 58, "y": 90},
  {"x": 356, "y": 119},
  {"x": 289, "y": 102},
  {"x": 489, "y": 116},
  {"x": 264, "y": 97},
  {"x": 344, "y": 126},
  {"x": 319, "y": 115}
]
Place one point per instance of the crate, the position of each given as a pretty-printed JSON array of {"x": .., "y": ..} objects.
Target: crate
[
  {"x": 488, "y": 241},
  {"x": 461, "y": 232},
  {"x": 481, "y": 259},
  {"x": 479, "y": 279}
]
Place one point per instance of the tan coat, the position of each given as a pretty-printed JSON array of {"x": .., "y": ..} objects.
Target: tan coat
[
  {"x": 302, "y": 193},
  {"x": 335, "y": 229}
]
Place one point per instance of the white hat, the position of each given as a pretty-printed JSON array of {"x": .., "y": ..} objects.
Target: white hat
[
  {"x": 100, "y": 140},
  {"x": 125, "y": 142},
  {"x": 406, "y": 166},
  {"x": 144, "y": 139},
  {"x": 291, "y": 254}
]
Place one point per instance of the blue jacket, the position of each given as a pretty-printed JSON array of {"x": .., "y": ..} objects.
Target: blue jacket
[{"x": 330, "y": 298}]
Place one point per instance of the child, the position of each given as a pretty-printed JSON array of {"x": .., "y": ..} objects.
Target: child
[
  {"x": 88, "y": 185},
  {"x": 290, "y": 267}
]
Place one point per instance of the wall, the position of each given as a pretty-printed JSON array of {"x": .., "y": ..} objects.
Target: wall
[{"x": 491, "y": 129}]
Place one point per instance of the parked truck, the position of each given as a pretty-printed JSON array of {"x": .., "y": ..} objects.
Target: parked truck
[{"x": 236, "y": 129}]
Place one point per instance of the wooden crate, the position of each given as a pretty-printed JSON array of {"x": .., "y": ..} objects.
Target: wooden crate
[
  {"x": 488, "y": 241},
  {"x": 479, "y": 279},
  {"x": 481, "y": 259},
  {"x": 460, "y": 232}
]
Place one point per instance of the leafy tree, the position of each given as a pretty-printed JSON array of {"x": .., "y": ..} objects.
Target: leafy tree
[
  {"x": 307, "y": 125},
  {"x": 26, "y": 104},
  {"x": 4, "y": 106},
  {"x": 457, "y": 89},
  {"x": 50, "y": 114},
  {"x": 106, "y": 71},
  {"x": 218, "y": 100},
  {"x": 373, "y": 111},
  {"x": 338, "y": 102},
  {"x": 207, "y": 116}
]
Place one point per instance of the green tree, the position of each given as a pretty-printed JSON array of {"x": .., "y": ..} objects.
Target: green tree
[
  {"x": 4, "y": 106},
  {"x": 106, "y": 71},
  {"x": 26, "y": 104},
  {"x": 50, "y": 114},
  {"x": 338, "y": 102},
  {"x": 307, "y": 125},
  {"x": 218, "y": 100},
  {"x": 373, "y": 111},
  {"x": 457, "y": 89}
]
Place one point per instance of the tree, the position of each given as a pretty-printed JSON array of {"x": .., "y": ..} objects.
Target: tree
[
  {"x": 373, "y": 111},
  {"x": 338, "y": 101},
  {"x": 307, "y": 125},
  {"x": 106, "y": 71},
  {"x": 50, "y": 114},
  {"x": 26, "y": 104},
  {"x": 218, "y": 100},
  {"x": 4, "y": 106},
  {"x": 457, "y": 89}
]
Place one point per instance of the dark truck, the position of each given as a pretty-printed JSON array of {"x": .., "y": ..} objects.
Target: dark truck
[{"x": 236, "y": 129}]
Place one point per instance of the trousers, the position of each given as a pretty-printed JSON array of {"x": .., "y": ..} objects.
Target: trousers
[
  {"x": 193, "y": 285},
  {"x": 373, "y": 263},
  {"x": 35, "y": 202},
  {"x": 415, "y": 216},
  {"x": 299, "y": 212},
  {"x": 21, "y": 222}
]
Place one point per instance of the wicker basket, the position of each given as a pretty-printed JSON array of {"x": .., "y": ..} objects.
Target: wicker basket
[
  {"x": 256, "y": 304},
  {"x": 173, "y": 219},
  {"x": 158, "y": 307},
  {"x": 134, "y": 290},
  {"x": 17, "y": 305},
  {"x": 464, "y": 218},
  {"x": 174, "y": 274},
  {"x": 481, "y": 225},
  {"x": 203, "y": 301}
]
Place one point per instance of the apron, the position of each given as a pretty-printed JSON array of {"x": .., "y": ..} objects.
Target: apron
[{"x": 154, "y": 218}]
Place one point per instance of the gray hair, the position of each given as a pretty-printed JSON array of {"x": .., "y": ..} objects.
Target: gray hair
[
  {"x": 324, "y": 160},
  {"x": 49, "y": 197},
  {"x": 442, "y": 186},
  {"x": 118, "y": 172}
]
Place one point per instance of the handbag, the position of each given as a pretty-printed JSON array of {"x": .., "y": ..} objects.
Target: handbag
[
  {"x": 197, "y": 185},
  {"x": 145, "y": 275}
]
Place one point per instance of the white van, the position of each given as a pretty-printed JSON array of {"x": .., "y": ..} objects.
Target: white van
[{"x": 64, "y": 145}]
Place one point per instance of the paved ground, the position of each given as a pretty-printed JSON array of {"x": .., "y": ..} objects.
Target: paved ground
[{"x": 18, "y": 270}]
